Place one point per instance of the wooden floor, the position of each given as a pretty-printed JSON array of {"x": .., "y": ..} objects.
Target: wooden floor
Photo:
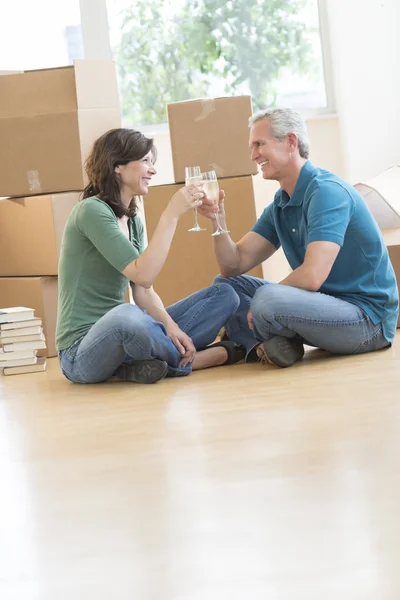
[{"x": 239, "y": 483}]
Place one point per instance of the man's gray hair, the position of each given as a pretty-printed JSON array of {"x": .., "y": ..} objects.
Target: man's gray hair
[{"x": 284, "y": 121}]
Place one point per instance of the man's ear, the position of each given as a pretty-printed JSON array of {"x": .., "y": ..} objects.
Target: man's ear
[{"x": 292, "y": 141}]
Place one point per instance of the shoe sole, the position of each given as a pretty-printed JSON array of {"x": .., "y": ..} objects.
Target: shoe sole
[
  {"x": 142, "y": 371},
  {"x": 280, "y": 351}
]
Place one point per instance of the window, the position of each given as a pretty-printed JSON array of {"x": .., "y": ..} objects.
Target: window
[
  {"x": 171, "y": 50},
  {"x": 39, "y": 34}
]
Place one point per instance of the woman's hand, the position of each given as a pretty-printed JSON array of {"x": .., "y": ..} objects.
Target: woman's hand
[
  {"x": 185, "y": 199},
  {"x": 183, "y": 343}
]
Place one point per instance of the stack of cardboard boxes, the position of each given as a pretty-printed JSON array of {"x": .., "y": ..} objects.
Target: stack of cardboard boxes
[
  {"x": 212, "y": 134},
  {"x": 48, "y": 121}
]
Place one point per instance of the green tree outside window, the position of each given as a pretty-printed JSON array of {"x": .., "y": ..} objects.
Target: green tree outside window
[{"x": 234, "y": 46}]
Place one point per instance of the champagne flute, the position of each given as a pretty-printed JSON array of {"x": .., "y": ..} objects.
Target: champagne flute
[
  {"x": 193, "y": 175},
  {"x": 211, "y": 188}
]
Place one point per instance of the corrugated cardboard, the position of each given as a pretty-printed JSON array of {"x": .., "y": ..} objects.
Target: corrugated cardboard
[
  {"x": 392, "y": 240},
  {"x": 394, "y": 253},
  {"x": 31, "y": 230},
  {"x": 39, "y": 293},
  {"x": 213, "y": 134},
  {"x": 48, "y": 121},
  {"x": 382, "y": 195},
  {"x": 191, "y": 263}
]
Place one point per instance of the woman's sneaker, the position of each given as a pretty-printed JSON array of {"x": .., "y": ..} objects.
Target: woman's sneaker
[
  {"x": 280, "y": 351},
  {"x": 142, "y": 371}
]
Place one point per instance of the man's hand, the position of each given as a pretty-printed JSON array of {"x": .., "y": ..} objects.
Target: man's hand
[
  {"x": 250, "y": 320},
  {"x": 183, "y": 343},
  {"x": 208, "y": 209}
]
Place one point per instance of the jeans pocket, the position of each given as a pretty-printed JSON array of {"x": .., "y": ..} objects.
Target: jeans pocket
[{"x": 377, "y": 341}]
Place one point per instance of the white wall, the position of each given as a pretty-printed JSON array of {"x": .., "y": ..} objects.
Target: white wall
[{"x": 365, "y": 55}]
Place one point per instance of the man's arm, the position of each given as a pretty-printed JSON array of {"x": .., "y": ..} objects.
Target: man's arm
[
  {"x": 235, "y": 259},
  {"x": 147, "y": 299},
  {"x": 318, "y": 262},
  {"x": 329, "y": 211},
  {"x": 311, "y": 275}
]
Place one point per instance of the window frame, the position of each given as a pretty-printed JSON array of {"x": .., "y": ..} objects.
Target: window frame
[{"x": 96, "y": 45}]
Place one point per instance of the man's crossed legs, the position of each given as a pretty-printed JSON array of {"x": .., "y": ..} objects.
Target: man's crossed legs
[{"x": 285, "y": 318}]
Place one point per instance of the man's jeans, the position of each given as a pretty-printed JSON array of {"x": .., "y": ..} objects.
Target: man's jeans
[
  {"x": 126, "y": 332},
  {"x": 317, "y": 319}
]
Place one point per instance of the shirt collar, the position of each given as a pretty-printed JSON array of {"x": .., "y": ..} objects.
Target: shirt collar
[{"x": 306, "y": 174}]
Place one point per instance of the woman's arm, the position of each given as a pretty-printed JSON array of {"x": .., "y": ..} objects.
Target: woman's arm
[
  {"x": 147, "y": 299},
  {"x": 145, "y": 269}
]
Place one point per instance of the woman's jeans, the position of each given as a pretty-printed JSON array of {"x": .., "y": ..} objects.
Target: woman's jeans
[
  {"x": 128, "y": 333},
  {"x": 316, "y": 319}
]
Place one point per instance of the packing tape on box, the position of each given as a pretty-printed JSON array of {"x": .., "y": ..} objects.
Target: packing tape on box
[
  {"x": 34, "y": 182},
  {"x": 207, "y": 107}
]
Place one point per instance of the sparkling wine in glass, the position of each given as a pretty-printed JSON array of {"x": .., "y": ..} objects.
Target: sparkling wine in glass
[
  {"x": 211, "y": 189},
  {"x": 193, "y": 175}
]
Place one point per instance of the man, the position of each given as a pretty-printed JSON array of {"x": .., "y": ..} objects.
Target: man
[{"x": 341, "y": 295}]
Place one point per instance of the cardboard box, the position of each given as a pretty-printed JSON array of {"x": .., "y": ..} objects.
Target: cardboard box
[
  {"x": 191, "y": 264},
  {"x": 31, "y": 230},
  {"x": 382, "y": 195},
  {"x": 213, "y": 134},
  {"x": 48, "y": 121},
  {"x": 394, "y": 253},
  {"x": 39, "y": 293},
  {"x": 392, "y": 240}
]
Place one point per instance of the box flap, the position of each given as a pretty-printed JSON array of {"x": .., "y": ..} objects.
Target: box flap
[
  {"x": 391, "y": 237},
  {"x": 37, "y": 92},
  {"x": 382, "y": 195},
  {"x": 208, "y": 99},
  {"x": 87, "y": 84}
]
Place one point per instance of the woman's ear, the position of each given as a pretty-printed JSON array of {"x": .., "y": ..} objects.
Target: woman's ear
[{"x": 117, "y": 169}]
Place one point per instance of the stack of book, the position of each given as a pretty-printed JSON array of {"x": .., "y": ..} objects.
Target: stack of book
[{"x": 21, "y": 336}]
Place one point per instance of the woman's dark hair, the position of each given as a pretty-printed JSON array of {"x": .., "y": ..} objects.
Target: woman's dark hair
[{"x": 113, "y": 148}]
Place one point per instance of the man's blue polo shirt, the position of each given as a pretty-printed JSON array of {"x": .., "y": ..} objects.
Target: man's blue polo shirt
[{"x": 324, "y": 207}]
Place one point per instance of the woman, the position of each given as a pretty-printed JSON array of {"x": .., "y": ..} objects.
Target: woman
[{"x": 98, "y": 335}]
